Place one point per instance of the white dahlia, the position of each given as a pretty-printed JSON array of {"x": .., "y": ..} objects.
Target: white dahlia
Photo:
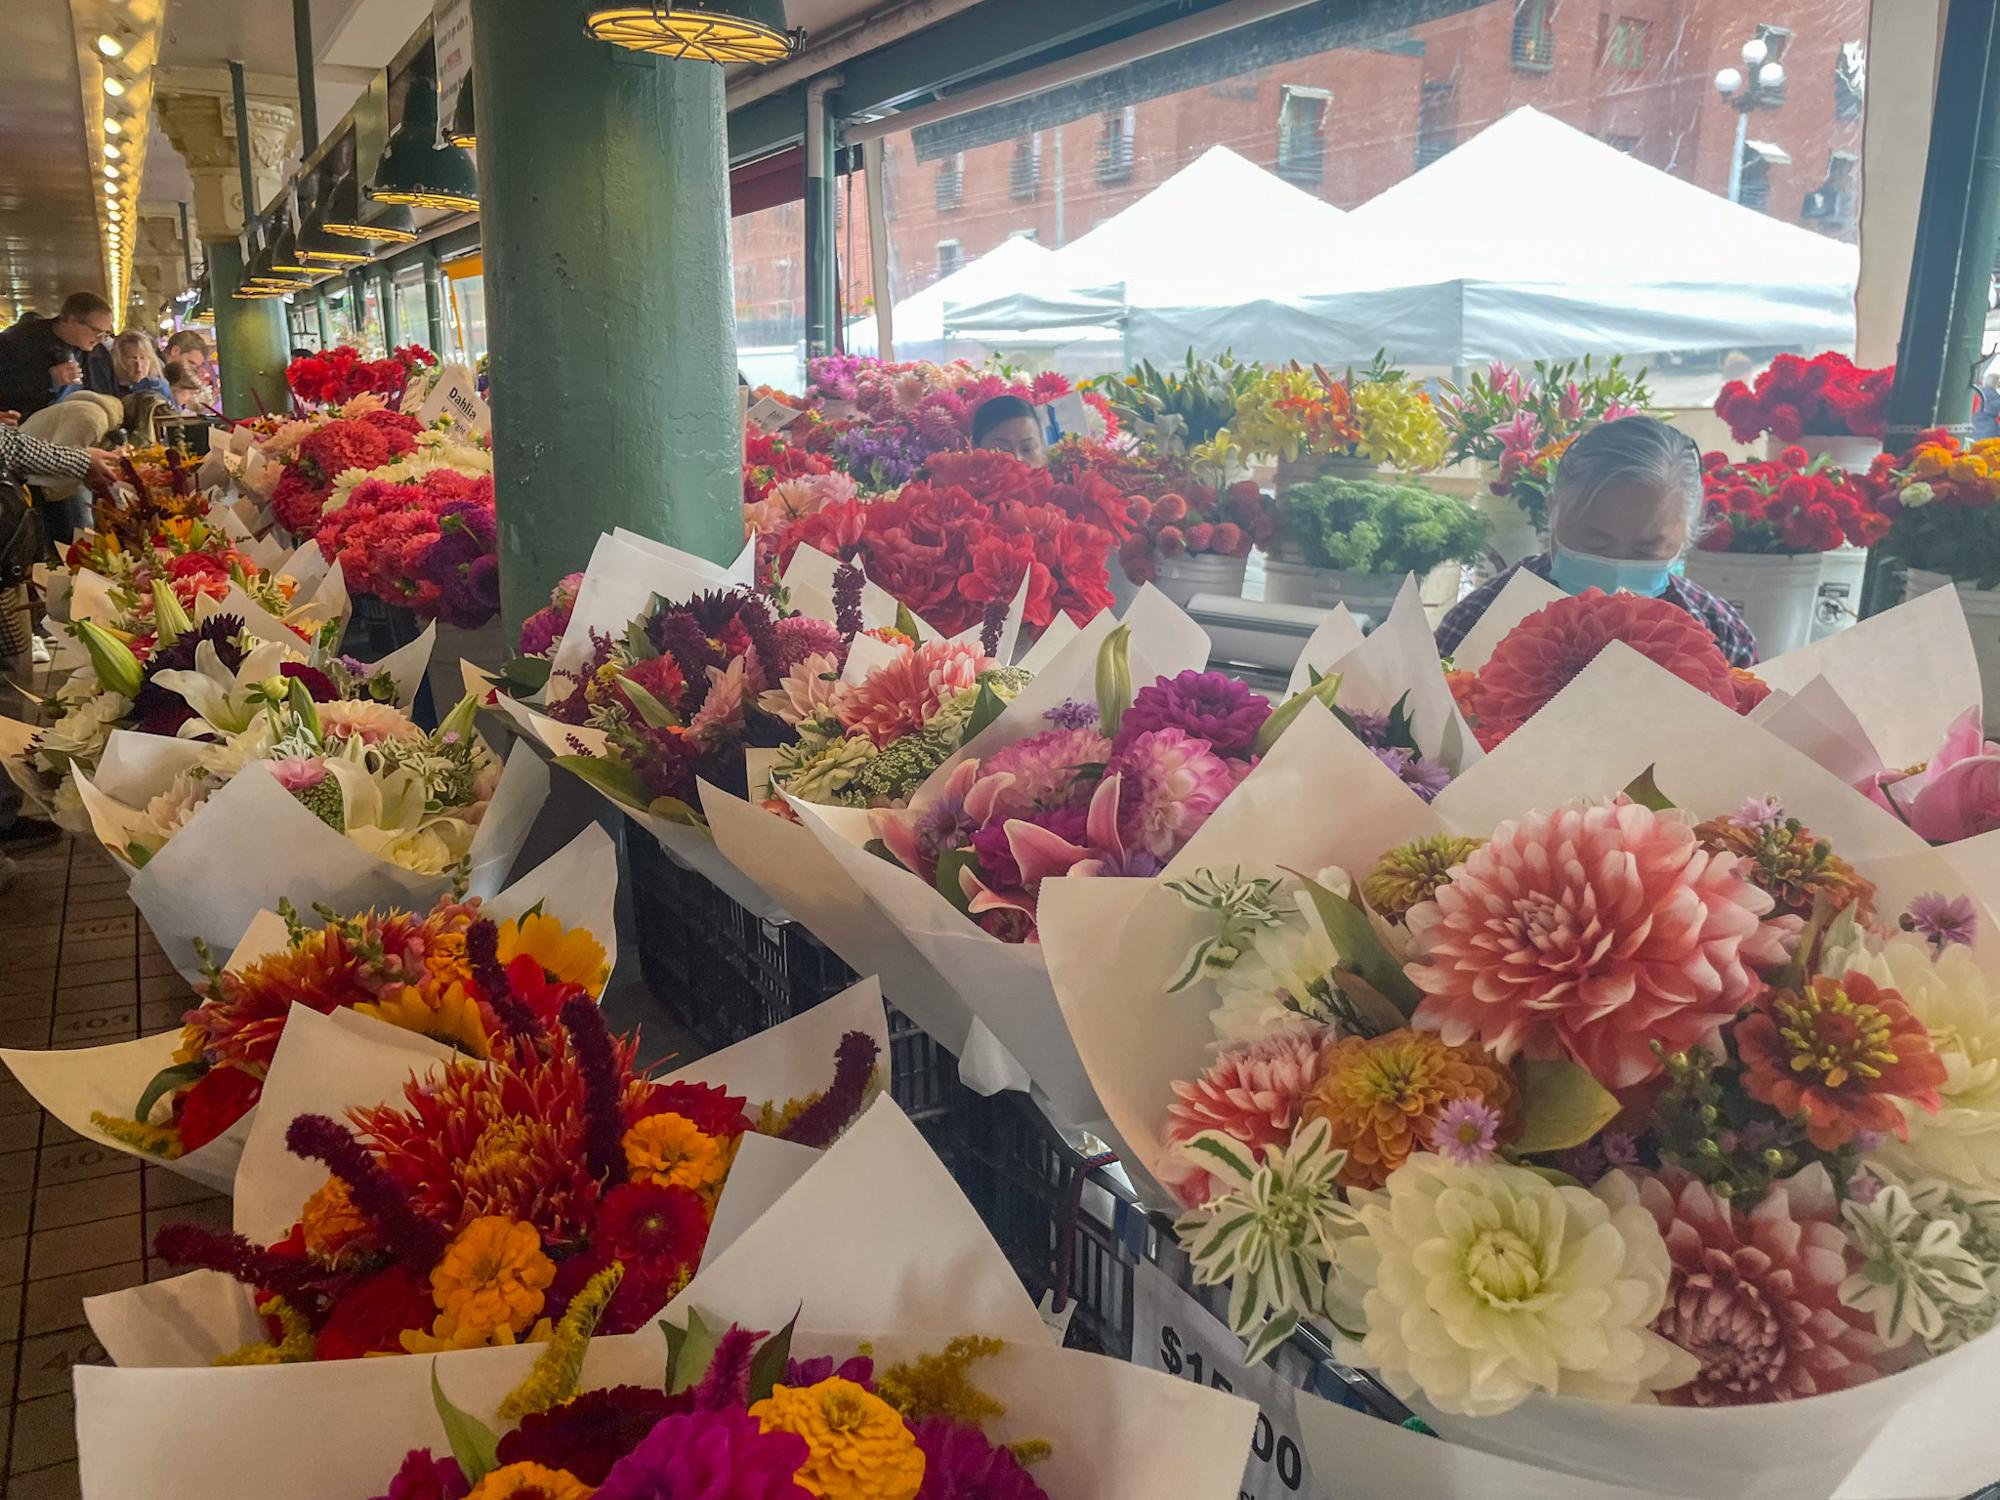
[{"x": 1480, "y": 1285}]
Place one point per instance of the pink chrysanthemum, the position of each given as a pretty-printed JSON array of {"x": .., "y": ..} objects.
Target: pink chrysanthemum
[
  {"x": 1591, "y": 933},
  {"x": 1043, "y": 768},
  {"x": 1173, "y": 781},
  {"x": 899, "y": 697},
  {"x": 1755, "y": 1296},
  {"x": 810, "y": 685},
  {"x": 1252, "y": 1091}
]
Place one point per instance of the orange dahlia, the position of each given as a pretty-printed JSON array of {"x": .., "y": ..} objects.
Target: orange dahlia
[
  {"x": 899, "y": 697},
  {"x": 1784, "y": 860},
  {"x": 1382, "y": 1096},
  {"x": 1843, "y": 1053}
]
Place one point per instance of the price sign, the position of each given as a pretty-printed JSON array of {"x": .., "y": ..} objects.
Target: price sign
[
  {"x": 451, "y": 29},
  {"x": 1173, "y": 1333},
  {"x": 772, "y": 415},
  {"x": 456, "y": 396}
]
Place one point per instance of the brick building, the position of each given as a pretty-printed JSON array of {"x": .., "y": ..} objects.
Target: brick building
[{"x": 1345, "y": 116}]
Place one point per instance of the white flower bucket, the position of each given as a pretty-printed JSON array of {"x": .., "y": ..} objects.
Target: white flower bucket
[
  {"x": 1843, "y": 448},
  {"x": 1839, "y": 602},
  {"x": 1321, "y": 588},
  {"x": 1510, "y": 535},
  {"x": 1776, "y": 595},
  {"x": 1296, "y": 471},
  {"x": 1982, "y": 616},
  {"x": 1181, "y": 578}
]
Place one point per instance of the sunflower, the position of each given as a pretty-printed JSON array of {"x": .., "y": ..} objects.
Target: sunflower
[
  {"x": 450, "y": 1016},
  {"x": 568, "y": 954}
]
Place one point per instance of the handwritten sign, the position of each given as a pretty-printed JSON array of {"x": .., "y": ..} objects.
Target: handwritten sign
[
  {"x": 1173, "y": 1333},
  {"x": 455, "y": 399},
  {"x": 772, "y": 415},
  {"x": 452, "y": 27}
]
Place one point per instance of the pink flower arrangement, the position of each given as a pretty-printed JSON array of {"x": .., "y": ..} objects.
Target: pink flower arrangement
[
  {"x": 1592, "y": 933},
  {"x": 429, "y": 545},
  {"x": 1956, "y": 796},
  {"x": 372, "y": 440}
]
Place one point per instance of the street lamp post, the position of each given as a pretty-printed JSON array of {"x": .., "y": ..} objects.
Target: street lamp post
[{"x": 1758, "y": 84}]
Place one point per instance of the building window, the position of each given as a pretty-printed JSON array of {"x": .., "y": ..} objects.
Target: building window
[
  {"x": 951, "y": 255},
  {"x": 1850, "y": 80},
  {"x": 1534, "y": 38},
  {"x": 1625, "y": 44},
  {"x": 1115, "y": 138},
  {"x": 1302, "y": 134},
  {"x": 950, "y": 184},
  {"x": 1833, "y": 207},
  {"x": 1629, "y": 144},
  {"x": 1024, "y": 178},
  {"x": 1437, "y": 122},
  {"x": 1755, "y": 189}
]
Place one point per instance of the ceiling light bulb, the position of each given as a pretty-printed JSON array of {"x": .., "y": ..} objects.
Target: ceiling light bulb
[
  {"x": 112, "y": 173},
  {"x": 112, "y": 150},
  {"x": 109, "y": 45},
  {"x": 113, "y": 86},
  {"x": 111, "y": 125},
  {"x": 111, "y": 190}
]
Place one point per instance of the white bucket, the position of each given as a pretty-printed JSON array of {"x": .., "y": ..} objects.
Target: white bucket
[
  {"x": 1123, "y": 589},
  {"x": 1775, "y": 595},
  {"x": 1440, "y": 590},
  {"x": 1510, "y": 535},
  {"x": 1982, "y": 617},
  {"x": 1843, "y": 448},
  {"x": 1371, "y": 594},
  {"x": 1181, "y": 578},
  {"x": 1839, "y": 602}
]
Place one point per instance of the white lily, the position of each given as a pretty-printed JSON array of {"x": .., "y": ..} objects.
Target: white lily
[{"x": 225, "y": 702}]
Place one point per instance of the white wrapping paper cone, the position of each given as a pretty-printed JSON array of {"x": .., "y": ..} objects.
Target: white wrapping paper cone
[{"x": 1521, "y": 596}]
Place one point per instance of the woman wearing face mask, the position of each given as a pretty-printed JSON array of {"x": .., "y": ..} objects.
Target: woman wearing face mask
[{"x": 1626, "y": 499}]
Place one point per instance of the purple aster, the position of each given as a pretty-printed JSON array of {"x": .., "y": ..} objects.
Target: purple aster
[
  {"x": 1372, "y": 728},
  {"x": 1864, "y": 1188},
  {"x": 1424, "y": 777},
  {"x": 1172, "y": 782},
  {"x": 1073, "y": 713},
  {"x": 1759, "y": 814},
  {"x": 1044, "y": 767},
  {"x": 719, "y": 1455},
  {"x": 960, "y": 1463},
  {"x": 1943, "y": 919},
  {"x": 1467, "y": 1132},
  {"x": 880, "y": 457},
  {"x": 1204, "y": 705},
  {"x": 1620, "y": 1150}
]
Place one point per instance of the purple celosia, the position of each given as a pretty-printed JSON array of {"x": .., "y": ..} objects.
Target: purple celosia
[
  {"x": 822, "y": 1122},
  {"x": 1172, "y": 782},
  {"x": 1204, "y": 705},
  {"x": 235, "y": 1256},
  {"x": 407, "y": 1234},
  {"x": 423, "y": 1477},
  {"x": 1943, "y": 919},
  {"x": 596, "y": 1056},
  {"x": 716, "y": 1455},
  {"x": 1073, "y": 713},
  {"x": 961, "y": 1463},
  {"x": 725, "y": 1385}
]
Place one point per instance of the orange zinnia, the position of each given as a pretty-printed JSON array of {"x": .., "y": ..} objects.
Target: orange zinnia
[{"x": 1382, "y": 1096}]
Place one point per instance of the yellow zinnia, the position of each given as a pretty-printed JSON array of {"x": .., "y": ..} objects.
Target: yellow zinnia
[
  {"x": 570, "y": 954},
  {"x": 860, "y": 1448},
  {"x": 670, "y": 1150},
  {"x": 492, "y": 1276},
  {"x": 447, "y": 1015},
  {"x": 515, "y": 1480},
  {"x": 329, "y": 1220}
]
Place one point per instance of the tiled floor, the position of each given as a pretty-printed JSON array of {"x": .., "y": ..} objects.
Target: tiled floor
[{"x": 77, "y": 968}]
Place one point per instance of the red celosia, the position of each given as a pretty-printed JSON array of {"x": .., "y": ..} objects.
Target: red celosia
[{"x": 820, "y": 1123}]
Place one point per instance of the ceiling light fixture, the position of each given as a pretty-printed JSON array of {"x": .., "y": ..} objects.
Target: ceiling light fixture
[
  {"x": 717, "y": 31},
  {"x": 112, "y": 150},
  {"x": 109, "y": 45},
  {"x": 111, "y": 125},
  {"x": 115, "y": 87}
]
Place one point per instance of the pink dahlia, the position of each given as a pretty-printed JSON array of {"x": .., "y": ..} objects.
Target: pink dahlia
[
  {"x": 1591, "y": 932},
  {"x": 1173, "y": 781},
  {"x": 1251, "y": 1091},
  {"x": 371, "y": 723},
  {"x": 1219, "y": 709},
  {"x": 1538, "y": 657},
  {"x": 811, "y": 685},
  {"x": 1042, "y": 769},
  {"x": 1755, "y": 1296},
  {"x": 800, "y": 636},
  {"x": 899, "y": 697}
]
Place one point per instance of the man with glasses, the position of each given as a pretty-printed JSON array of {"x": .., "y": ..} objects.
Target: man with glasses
[{"x": 35, "y": 350}]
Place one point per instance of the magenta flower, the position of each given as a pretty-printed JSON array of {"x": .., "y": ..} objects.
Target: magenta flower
[
  {"x": 1760, "y": 814},
  {"x": 1206, "y": 705},
  {"x": 1960, "y": 794},
  {"x": 1174, "y": 782},
  {"x": 1467, "y": 1132},
  {"x": 1943, "y": 919},
  {"x": 1042, "y": 853},
  {"x": 1041, "y": 770},
  {"x": 960, "y": 1463},
  {"x": 299, "y": 773},
  {"x": 719, "y": 1455},
  {"x": 423, "y": 1477}
]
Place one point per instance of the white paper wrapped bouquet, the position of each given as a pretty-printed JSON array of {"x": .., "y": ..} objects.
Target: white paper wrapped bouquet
[{"x": 1629, "y": 1111}]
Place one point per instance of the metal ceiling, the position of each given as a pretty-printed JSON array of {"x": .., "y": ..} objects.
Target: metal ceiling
[{"x": 49, "y": 241}]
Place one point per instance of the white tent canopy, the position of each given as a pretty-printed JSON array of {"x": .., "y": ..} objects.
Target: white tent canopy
[
  {"x": 1447, "y": 268},
  {"x": 919, "y": 319}
]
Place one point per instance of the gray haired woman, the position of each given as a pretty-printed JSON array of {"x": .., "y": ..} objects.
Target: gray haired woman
[{"x": 1624, "y": 506}]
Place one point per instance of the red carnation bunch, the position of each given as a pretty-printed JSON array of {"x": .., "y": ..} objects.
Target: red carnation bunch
[
  {"x": 369, "y": 441},
  {"x": 338, "y": 375},
  {"x": 1539, "y": 657},
  {"x": 1826, "y": 396},
  {"x": 430, "y": 545},
  {"x": 1786, "y": 506},
  {"x": 769, "y": 458},
  {"x": 949, "y": 547}
]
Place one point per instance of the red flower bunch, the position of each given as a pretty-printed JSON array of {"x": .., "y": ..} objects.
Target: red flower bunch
[
  {"x": 1828, "y": 395},
  {"x": 1788, "y": 506},
  {"x": 1539, "y": 657},
  {"x": 370, "y": 441},
  {"x": 429, "y": 545},
  {"x": 340, "y": 374},
  {"x": 1193, "y": 522},
  {"x": 769, "y": 458},
  {"x": 947, "y": 549},
  {"x": 197, "y": 575}
]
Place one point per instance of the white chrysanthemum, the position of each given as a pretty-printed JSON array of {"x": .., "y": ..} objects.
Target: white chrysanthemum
[
  {"x": 1481, "y": 1285},
  {"x": 435, "y": 848},
  {"x": 81, "y": 734},
  {"x": 1961, "y": 1008},
  {"x": 1275, "y": 982},
  {"x": 435, "y": 450},
  {"x": 169, "y": 812}
]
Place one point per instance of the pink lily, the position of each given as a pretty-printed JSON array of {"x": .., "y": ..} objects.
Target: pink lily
[
  {"x": 1960, "y": 797},
  {"x": 1522, "y": 434},
  {"x": 1044, "y": 855}
]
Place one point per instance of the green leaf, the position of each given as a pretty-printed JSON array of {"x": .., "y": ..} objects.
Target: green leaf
[
  {"x": 1561, "y": 1106},
  {"x": 947, "y": 882},
  {"x": 459, "y": 720},
  {"x": 1360, "y": 948},
  {"x": 165, "y": 1081},
  {"x": 656, "y": 714},
  {"x": 525, "y": 674},
  {"x": 138, "y": 854},
  {"x": 613, "y": 778},
  {"x": 1645, "y": 791},
  {"x": 767, "y": 1366},
  {"x": 675, "y": 811},
  {"x": 985, "y": 709},
  {"x": 472, "y": 1441},
  {"x": 1323, "y": 691},
  {"x": 1256, "y": 1350},
  {"x": 696, "y": 1352},
  {"x": 1114, "y": 679},
  {"x": 907, "y": 623}
]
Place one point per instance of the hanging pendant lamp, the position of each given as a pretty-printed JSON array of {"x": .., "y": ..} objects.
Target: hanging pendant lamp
[
  {"x": 414, "y": 168},
  {"x": 717, "y": 31},
  {"x": 462, "y": 129}
]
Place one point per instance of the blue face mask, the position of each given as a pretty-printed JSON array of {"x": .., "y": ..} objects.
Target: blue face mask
[{"x": 1577, "y": 571}]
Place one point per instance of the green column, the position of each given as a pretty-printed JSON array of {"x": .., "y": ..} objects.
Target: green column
[
  {"x": 434, "y": 304},
  {"x": 325, "y": 327},
  {"x": 250, "y": 340},
  {"x": 392, "y": 329},
  {"x": 604, "y": 208}
]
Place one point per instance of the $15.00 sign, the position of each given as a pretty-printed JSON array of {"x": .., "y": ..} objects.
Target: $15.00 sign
[{"x": 1173, "y": 1333}]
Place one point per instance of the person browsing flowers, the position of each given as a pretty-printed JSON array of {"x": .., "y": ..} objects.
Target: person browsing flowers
[{"x": 1623, "y": 507}]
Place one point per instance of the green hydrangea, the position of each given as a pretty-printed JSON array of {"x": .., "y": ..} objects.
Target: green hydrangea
[{"x": 323, "y": 801}]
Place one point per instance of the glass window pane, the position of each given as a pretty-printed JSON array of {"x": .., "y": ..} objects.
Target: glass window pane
[{"x": 771, "y": 294}]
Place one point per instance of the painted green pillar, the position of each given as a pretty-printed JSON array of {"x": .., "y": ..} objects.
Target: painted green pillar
[
  {"x": 604, "y": 215},
  {"x": 434, "y": 304},
  {"x": 392, "y": 324},
  {"x": 325, "y": 327},
  {"x": 250, "y": 342}
]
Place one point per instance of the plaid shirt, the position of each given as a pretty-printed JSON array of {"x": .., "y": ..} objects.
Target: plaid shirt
[
  {"x": 23, "y": 458},
  {"x": 1719, "y": 615}
]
